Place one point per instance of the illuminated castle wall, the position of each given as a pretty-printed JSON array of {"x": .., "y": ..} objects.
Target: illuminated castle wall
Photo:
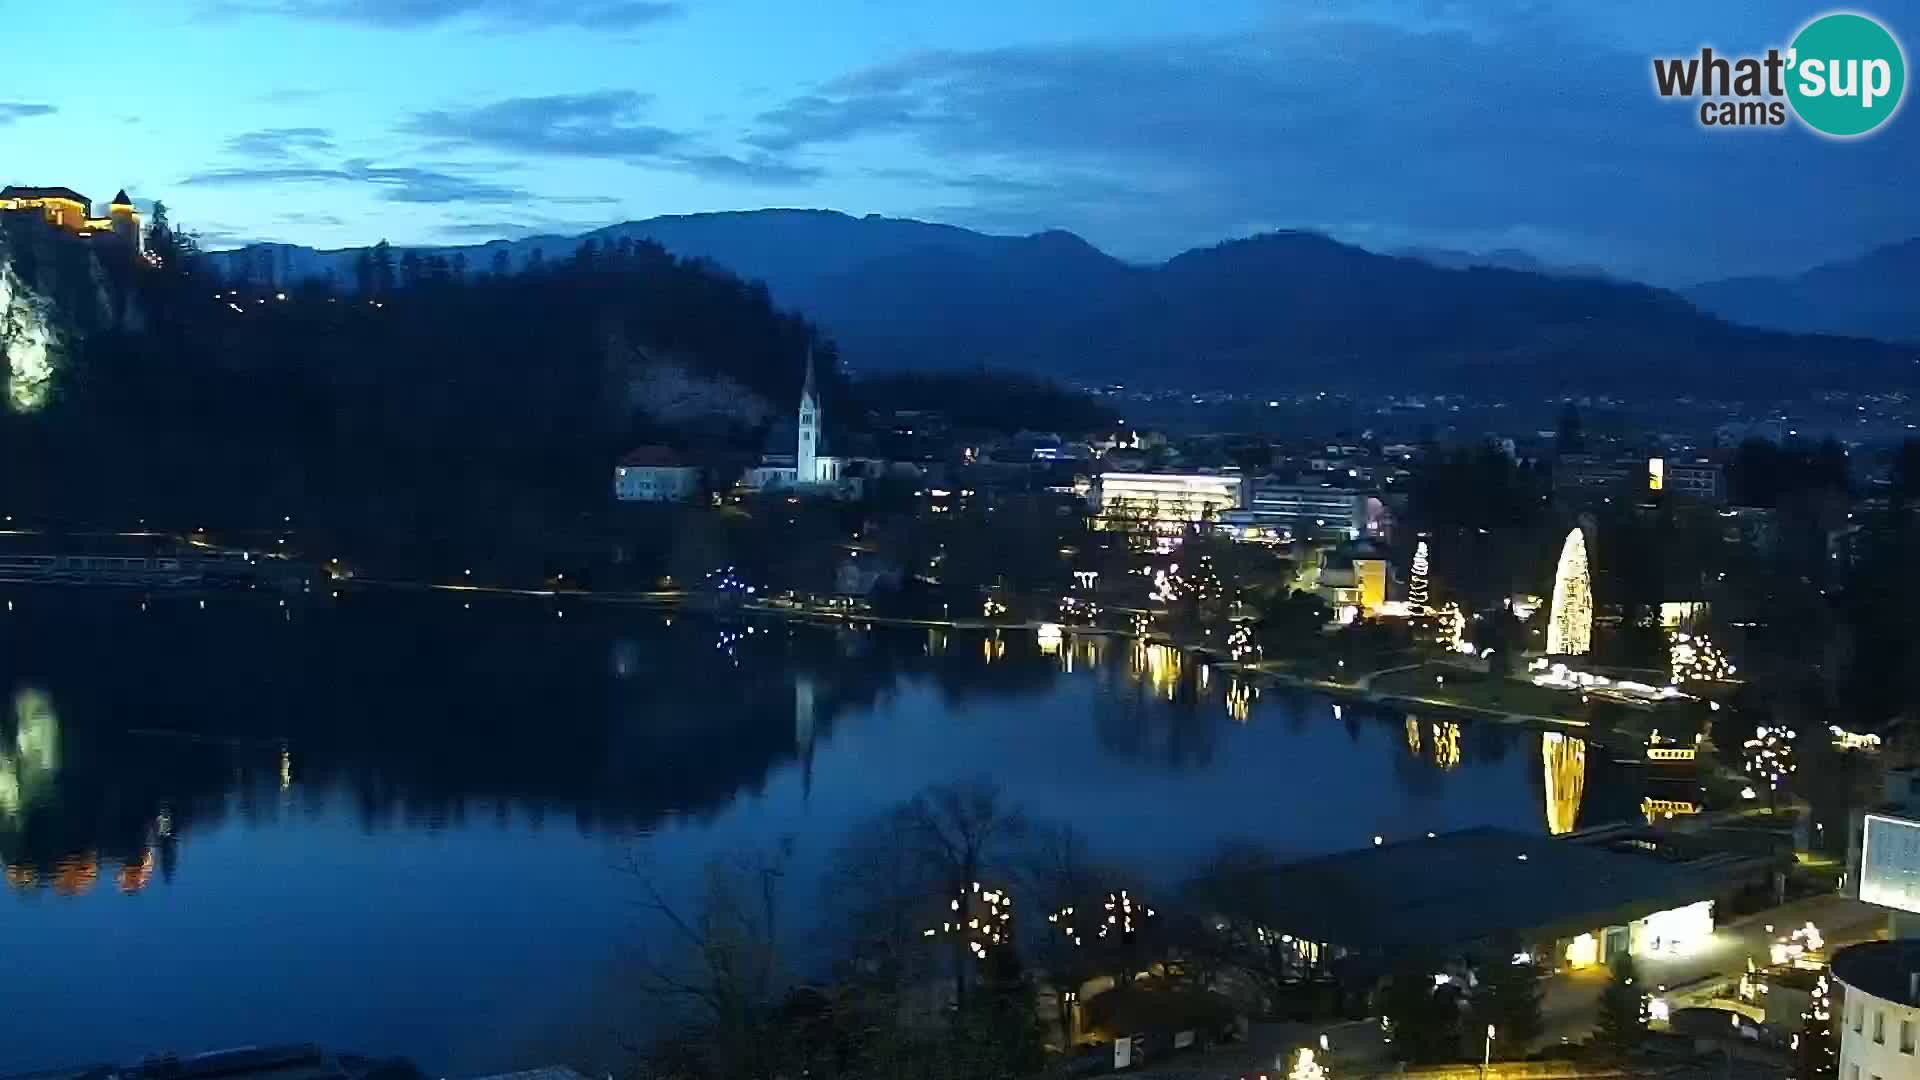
[
  {"x": 68, "y": 209},
  {"x": 1570, "y": 630}
]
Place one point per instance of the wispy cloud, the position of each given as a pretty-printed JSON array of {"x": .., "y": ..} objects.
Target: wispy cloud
[
  {"x": 11, "y": 111},
  {"x": 598, "y": 15},
  {"x": 280, "y": 144},
  {"x": 753, "y": 169},
  {"x": 394, "y": 183},
  {"x": 603, "y": 124}
]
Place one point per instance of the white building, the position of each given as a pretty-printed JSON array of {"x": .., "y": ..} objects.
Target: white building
[
  {"x": 1879, "y": 1017},
  {"x": 654, "y": 474},
  {"x": 1315, "y": 512},
  {"x": 1161, "y": 501}
]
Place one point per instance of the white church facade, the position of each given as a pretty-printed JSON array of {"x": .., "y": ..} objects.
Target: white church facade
[{"x": 809, "y": 468}]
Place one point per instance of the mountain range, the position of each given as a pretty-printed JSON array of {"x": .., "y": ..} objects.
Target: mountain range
[
  {"x": 1874, "y": 295},
  {"x": 1279, "y": 310}
]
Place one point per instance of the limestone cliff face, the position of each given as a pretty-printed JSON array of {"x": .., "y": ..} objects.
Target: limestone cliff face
[{"x": 30, "y": 339}]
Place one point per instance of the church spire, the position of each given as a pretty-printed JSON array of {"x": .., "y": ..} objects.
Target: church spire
[{"x": 806, "y": 388}]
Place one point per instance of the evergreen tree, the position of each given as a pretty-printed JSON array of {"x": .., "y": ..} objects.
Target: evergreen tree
[
  {"x": 1425, "y": 1025},
  {"x": 1508, "y": 998},
  {"x": 1623, "y": 1008}
]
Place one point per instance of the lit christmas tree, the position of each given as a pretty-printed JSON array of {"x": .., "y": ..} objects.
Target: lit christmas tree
[{"x": 1417, "y": 583}]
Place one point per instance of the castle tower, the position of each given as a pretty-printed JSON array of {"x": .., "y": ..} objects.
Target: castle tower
[
  {"x": 126, "y": 219},
  {"x": 807, "y": 458}
]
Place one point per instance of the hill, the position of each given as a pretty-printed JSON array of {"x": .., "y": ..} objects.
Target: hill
[
  {"x": 1280, "y": 310},
  {"x": 1875, "y": 295}
]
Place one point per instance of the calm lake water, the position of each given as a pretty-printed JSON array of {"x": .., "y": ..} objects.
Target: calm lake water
[{"x": 406, "y": 825}]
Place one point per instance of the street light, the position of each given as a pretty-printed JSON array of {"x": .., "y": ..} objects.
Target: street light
[{"x": 1486, "y": 1058}]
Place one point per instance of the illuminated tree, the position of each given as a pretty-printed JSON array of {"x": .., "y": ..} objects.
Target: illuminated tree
[
  {"x": 1769, "y": 757},
  {"x": 1695, "y": 658},
  {"x": 1570, "y": 630},
  {"x": 1814, "y": 1057},
  {"x": 1417, "y": 581}
]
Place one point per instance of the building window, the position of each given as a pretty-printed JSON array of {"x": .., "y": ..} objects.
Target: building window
[
  {"x": 1859, "y": 1017},
  {"x": 1880, "y": 1028},
  {"x": 1906, "y": 1036}
]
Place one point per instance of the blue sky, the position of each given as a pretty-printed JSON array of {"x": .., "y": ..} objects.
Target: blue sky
[{"x": 1148, "y": 126}]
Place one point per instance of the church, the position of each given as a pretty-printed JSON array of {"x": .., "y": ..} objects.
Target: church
[{"x": 809, "y": 468}]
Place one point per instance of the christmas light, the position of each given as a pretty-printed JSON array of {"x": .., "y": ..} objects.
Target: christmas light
[{"x": 1570, "y": 630}]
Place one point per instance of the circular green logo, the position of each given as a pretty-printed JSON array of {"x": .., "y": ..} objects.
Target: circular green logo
[{"x": 1846, "y": 74}]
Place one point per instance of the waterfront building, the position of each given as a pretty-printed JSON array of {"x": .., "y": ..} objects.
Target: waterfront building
[
  {"x": 1570, "y": 903},
  {"x": 654, "y": 474},
  {"x": 1879, "y": 1009},
  {"x": 1284, "y": 512},
  {"x": 1163, "y": 502}
]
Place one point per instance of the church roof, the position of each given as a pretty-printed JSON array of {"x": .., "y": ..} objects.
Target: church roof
[
  {"x": 12, "y": 191},
  {"x": 120, "y": 198}
]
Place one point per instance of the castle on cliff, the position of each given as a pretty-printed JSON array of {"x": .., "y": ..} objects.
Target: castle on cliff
[{"x": 66, "y": 208}]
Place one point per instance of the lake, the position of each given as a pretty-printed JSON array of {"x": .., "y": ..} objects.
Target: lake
[{"x": 411, "y": 824}]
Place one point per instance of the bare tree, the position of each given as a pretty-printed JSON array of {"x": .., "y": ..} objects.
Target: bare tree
[
  {"x": 717, "y": 962},
  {"x": 960, "y": 834}
]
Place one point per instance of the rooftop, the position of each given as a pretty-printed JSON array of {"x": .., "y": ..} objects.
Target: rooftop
[
  {"x": 1889, "y": 970},
  {"x": 13, "y": 191},
  {"x": 1475, "y": 884}
]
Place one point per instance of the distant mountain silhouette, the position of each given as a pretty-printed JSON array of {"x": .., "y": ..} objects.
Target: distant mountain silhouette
[
  {"x": 1875, "y": 295},
  {"x": 1276, "y": 310},
  {"x": 1498, "y": 259}
]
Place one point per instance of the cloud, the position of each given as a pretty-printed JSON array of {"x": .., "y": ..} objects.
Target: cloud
[
  {"x": 11, "y": 111},
  {"x": 597, "y": 15},
  {"x": 1427, "y": 123},
  {"x": 393, "y": 183},
  {"x": 281, "y": 143},
  {"x": 754, "y": 169},
  {"x": 512, "y": 230},
  {"x": 604, "y": 124},
  {"x": 601, "y": 124}
]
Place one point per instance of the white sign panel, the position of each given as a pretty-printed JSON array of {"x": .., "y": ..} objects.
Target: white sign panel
[{"x": 1890, "y": 863}]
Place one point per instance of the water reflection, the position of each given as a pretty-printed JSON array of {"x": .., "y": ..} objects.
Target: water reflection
[
  {"x": 1564, "y": 762},
  {"x": 415, "y": 716}
]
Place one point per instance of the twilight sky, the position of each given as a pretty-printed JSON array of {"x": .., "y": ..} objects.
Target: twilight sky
[{"x": 1148, "y": 126}]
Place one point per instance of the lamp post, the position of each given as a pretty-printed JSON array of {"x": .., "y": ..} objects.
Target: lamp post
[{"x": 1486, "y": 1057}]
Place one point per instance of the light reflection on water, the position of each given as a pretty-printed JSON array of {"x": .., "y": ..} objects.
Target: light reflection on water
[{"x": 419, "y": 805}]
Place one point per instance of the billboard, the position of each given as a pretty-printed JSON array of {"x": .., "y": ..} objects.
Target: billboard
[{"x": 1890, "y": 862}]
